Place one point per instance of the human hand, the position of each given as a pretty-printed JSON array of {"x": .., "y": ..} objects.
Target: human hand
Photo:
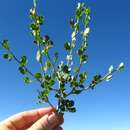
[{"x": 39, "y": 119}]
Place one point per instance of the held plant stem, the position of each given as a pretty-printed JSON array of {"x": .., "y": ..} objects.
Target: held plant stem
[{"x": 60, "y": 77}]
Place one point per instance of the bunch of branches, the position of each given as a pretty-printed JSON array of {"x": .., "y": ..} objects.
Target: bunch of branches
[{"x": 63, "y": 78}]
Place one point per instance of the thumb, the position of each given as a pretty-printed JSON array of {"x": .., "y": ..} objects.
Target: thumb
[{"x": 47, "y": 122}]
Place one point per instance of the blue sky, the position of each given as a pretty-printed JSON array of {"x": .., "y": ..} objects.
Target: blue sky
[{"x": 105, "y": 108}]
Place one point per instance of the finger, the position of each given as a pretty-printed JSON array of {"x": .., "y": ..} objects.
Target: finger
[
  {"x": 47, "y": 122},
  {"x": 61, "y": 120},
  {"x": 23, "y": 119}
]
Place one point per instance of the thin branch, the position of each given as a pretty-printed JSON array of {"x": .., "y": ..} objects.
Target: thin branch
[
  {"x": 48, "y": 56},
  {"x": 41, "y": 62},
  {"x": 16, "y": 59}
]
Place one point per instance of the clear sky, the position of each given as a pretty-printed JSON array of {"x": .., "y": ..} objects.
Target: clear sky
[{"x": 105, "y": 108}]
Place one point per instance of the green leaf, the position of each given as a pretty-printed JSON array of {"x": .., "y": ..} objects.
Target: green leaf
[
  {"x": 42, "y": 97},
  {"x": 67, "y": 46},
  {"x": 22, "y": 70},
  {"x": 82, "y": 86},
  {"x": 46, "y": 38},
  {"x": 110, "y": 69},
  {"x": 8, "y": 56},
  {"x": 83, "y": 76},
  {"x": 69, "y": 103},
  {"x": 55, "y": 56},
  {"x": 96, "y": 79},
  {"x": 38, "y": 56},
  {"x": 48, "y": 64},
  {"x": 83, "y": 58},
  {"x": 77, "y": 91},
  {"x": 121, "y": 67},
  {"x": 73, "y": 109},
  {"x": 34, "y": 26},
  {"x": 84, "y": 46},
  {"x": 108, "y": 78},
  {"x": 74, "y": 82},
  {"x": 46, "y": 92},
  {"x": 54, "y": 75},
  {"x": 76, "y": 26},
  {"x": 47, "y": 77},
  {"x": 33, "y": 13},
  {"x": 45, "y": 50},
  {"x": 50, "y": 44},
  {"x": 40, "y": 20},
  {"x": 79, "y": 11},
  {"x": 87, "y": 12},
  {"x": 76, "y": 69},
  {"x": 51, "y": 82},
  {"x": 23, "y": 61},
  {"x": 65, "y": 69},
  {"x": 27, "y": 80},
  {"x": 80, "y": 52},
  {"x": 5, "y": 44},
  {"x": 38, "y": 75},
  {"x": 72, "y": 23}
]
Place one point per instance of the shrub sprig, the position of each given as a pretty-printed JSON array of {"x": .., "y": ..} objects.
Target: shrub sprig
[{"x": 63, "y": 80}]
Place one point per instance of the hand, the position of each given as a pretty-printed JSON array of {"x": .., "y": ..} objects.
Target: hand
[{"x": 39, "y": 119}]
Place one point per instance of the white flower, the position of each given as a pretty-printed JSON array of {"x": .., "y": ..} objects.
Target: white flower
[
  {"x": 121, "y": 66},
  {"x": 108, "y": 78},
  {"x": 111, "y": 69},
  {"x": 86, "y": 31}
]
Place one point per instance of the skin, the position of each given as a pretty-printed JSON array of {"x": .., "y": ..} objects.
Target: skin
[{"x": 39, "y": 119}]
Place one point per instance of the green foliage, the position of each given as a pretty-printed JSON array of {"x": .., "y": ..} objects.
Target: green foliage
[
  {"x": 38, "y": 75},
  {"x": 121, "y": 67},
  {"x": 72, "y": 23},
  {"x": 56, "y": 54},
  {"x": 95, "y": 81},
  {"x": 9, "y": 57},
  {"x": 22, "y": 70},
  {"x": 67, "y": 46},
  {"x": 23, "y": 61},
  {"x": 27, "y": 80},
  {"x": 38, "y": 56},
  {"x": 5, "y": 44},
  {"x": 63, "y": 78}
]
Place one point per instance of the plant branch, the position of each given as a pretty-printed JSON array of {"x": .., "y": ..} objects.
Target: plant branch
[
  {"x": 16, "y": 59},
  {"x": 48, "y": 56},
  {"x": 41, "y": 62}
]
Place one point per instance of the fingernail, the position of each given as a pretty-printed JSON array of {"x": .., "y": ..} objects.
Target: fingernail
[{"x": 53, "y": 119}]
